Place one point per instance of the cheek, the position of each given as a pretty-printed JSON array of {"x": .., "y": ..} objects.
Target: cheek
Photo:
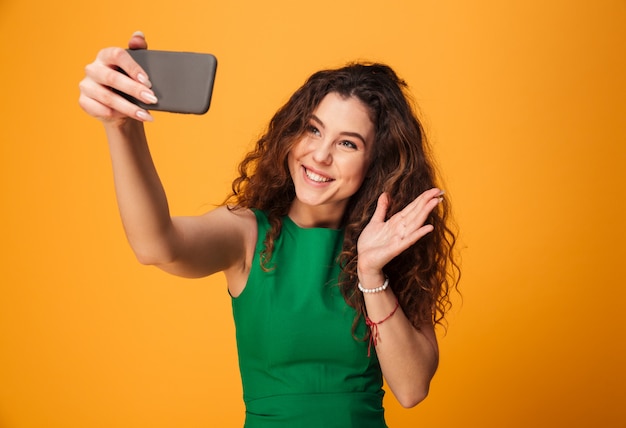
[
  {"x": 358, "y": 172},
  {"x": 296, "y": 150},
  {"x": 364, "y": 168}
]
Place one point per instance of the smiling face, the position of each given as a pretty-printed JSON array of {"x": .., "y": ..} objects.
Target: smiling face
[{"x": 329, "y": 163}]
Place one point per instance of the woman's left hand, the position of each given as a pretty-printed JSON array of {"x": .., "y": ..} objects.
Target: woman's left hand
[{"x": 382, "y": 240}]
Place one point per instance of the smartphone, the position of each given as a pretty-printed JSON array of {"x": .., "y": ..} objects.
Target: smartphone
[{"x": 182, "y": 81}]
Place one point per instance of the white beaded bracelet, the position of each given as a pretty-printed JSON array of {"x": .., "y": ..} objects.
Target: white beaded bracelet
[{"x": 377, "y": 289}]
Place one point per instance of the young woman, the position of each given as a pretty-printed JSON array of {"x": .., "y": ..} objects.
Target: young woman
[{"x": 334, "y": 242}]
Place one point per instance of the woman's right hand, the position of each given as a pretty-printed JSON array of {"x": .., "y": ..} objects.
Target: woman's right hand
[{"x": 96, "y": 96}]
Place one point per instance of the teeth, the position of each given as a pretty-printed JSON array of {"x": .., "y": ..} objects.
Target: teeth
[{"x": 316, "y": 177}]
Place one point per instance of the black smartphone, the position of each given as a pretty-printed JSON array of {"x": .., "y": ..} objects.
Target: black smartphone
[{"x": 182, "y": 81}]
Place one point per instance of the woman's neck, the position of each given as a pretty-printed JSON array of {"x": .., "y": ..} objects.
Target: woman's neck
[{"x": 318, "y": 216}]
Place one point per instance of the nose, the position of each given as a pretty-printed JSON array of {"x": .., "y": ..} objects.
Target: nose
[{"x": 322, "y": 152}]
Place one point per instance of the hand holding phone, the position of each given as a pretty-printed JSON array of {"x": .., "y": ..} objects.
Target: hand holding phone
[{"x": 182, "y": 81}]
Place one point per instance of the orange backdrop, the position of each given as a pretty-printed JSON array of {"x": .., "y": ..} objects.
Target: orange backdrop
[{"x": 525, "y": 103}]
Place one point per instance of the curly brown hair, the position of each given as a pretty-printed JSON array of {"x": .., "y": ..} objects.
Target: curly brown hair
[{"x": 423, "y": 275}]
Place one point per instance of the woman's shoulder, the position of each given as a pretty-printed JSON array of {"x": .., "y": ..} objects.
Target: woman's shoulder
[
  {"x": 230, "y": 223},
  {"x": 235, "y": 217}
]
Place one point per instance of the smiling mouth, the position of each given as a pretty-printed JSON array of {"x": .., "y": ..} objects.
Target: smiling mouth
[{"x": 316, "y": 177}]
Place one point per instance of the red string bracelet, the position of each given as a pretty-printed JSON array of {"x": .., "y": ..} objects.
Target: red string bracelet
[{"x": 374, "y": 328}]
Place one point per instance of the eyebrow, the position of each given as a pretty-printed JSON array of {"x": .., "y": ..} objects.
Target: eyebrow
[{"x": 347, "y": 133}]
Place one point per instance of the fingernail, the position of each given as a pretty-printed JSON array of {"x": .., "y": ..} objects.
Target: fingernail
[
  {"x": 149, "y": 97},
  {"x": 139, "y": 33},
  {"x": 441, "y": 193},
  {"x": 144, "y": 115},
  {"x": 143, "y": 79}
]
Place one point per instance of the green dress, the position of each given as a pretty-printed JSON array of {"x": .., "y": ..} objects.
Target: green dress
[{"x": 300, "y": 364}]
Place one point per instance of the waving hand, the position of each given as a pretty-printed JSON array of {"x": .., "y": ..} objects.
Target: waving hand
[{"x": 382, "y": 240}]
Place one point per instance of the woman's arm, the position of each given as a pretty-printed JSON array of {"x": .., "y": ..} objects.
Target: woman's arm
[
  {"x": 185, "y": 246},
  {"x": 408, "y": 356}
]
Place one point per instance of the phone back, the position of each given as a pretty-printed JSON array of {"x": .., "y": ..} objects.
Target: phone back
[{"x": 182, "y": 81}]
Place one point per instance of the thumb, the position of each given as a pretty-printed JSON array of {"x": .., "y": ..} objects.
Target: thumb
[
  {"x": 137, "y": 41},
  {"x": 381, "y": 208}
]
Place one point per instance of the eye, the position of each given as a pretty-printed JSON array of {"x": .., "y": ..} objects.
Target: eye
[
  {"x": 348, "y": 144},
  {"x": 313, "y": 130}
]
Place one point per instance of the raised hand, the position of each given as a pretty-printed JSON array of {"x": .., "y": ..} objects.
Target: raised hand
[
  {"x": 96, "y": 96},
  {"x": 382, "y": 240}
]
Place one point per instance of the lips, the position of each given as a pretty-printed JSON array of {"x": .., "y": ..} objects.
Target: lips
[{"x": 316, "y": 177}]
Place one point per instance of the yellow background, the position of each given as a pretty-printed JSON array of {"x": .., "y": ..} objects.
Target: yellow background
[{"x": 525, "y": 103}]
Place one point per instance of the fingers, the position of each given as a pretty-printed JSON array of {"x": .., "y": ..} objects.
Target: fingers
[
  {"x": 381, "y": 241},
  {"x": 103, "y": 74},
  {"x": 411, "y": 220},
  {"x": 381, "y": 208},
  {"x": 419, "y": 207},
  {"x": 116, "y": 59},
  {"x": 99, "y": 101},
  {"x": 137, "y": 41},
  {"x": 427, "y": 201}
]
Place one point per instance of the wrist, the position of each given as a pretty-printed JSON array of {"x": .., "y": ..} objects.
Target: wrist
[
  {"x": 372, "y": 279},
  {"x": 122, "y": 124},
  {"x": 366, "y": 273},
  {"x": 370, "y": 290}
]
